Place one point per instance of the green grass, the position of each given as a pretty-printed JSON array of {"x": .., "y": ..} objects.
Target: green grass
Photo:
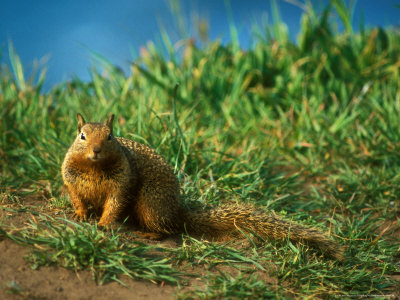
[
  {"x": 83, "y": 246},
  {"x": 309, "y": 129}
]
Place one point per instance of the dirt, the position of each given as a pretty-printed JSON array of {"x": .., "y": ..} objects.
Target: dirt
[{"x": 19, "y": 281}]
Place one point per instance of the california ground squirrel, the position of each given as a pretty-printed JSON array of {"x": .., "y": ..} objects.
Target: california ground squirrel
[{"x": 120, "y": 177}]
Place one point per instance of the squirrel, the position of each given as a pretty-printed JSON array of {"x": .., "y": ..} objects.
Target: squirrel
[{"x": 120, "y": 177}]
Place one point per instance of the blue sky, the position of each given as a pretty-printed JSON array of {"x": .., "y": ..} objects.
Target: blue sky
[{"x": 60, "y": 33}]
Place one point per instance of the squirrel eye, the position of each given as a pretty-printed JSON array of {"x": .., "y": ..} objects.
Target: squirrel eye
[
  {"x": 83, "y": 136},
  {"x": 110, "y": 137}
]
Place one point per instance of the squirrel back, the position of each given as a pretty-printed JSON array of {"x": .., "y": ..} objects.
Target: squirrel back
[{"x": 119, "y": 177}]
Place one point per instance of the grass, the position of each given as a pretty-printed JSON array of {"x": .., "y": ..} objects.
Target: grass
[
  {"x": 308, "y": 129},
  {"x": 83, "y": 246}
]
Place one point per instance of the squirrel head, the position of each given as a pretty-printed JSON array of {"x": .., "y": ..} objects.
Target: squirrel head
[{"x": 95, "y": 141}]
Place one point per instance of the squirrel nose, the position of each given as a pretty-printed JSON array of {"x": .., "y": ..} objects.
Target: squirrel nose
[{"x": 96, "y": 149}]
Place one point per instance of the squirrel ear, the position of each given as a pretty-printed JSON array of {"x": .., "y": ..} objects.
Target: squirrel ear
[
  {"x": 81, "y": 121},
  {"x": 109, "y": 122}
]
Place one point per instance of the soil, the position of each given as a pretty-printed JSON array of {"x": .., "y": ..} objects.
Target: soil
[{"x": 19, "y": 281}]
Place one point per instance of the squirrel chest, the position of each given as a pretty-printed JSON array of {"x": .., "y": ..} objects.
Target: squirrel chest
[{"x": 95, "y": 184}]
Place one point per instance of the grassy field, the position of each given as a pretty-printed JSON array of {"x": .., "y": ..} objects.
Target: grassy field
[{"x": 309, "y": 129}]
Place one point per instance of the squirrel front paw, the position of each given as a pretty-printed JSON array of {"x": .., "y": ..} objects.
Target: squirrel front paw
[
  {"x": 103, "y": 222},
  {"x": 107, "y": 226},
  {"x": 80, "y": 215}
]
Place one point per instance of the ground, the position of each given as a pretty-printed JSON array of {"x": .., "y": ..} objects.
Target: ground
[{"x": 19, "y": 280}]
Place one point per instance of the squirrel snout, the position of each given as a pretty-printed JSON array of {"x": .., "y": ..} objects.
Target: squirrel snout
[
  {"x": 97, "y": 149},
  {"x": 96, "y": 154}
]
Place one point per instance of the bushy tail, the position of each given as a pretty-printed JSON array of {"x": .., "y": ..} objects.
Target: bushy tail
[{"x": 228, "y": 220}]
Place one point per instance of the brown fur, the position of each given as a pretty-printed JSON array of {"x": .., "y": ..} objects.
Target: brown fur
[{"x": 119, "y": 177}]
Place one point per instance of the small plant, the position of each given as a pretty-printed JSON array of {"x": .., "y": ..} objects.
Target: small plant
[
  {"x": 226, "y": 286},
  {"x": 82, "y": 246}
]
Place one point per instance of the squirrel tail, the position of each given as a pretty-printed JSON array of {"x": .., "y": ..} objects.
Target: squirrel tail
[{"x": 228, "y": 220}]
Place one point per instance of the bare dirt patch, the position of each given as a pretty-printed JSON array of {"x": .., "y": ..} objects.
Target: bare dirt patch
[{"x": 19, "y": 281}]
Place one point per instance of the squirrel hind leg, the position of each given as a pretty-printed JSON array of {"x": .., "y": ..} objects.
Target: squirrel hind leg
[{"x": 159, "y": 213}]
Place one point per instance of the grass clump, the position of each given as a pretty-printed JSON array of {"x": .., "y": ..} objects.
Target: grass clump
[
  {"x": 210, "y": 254},
  {"x": 82, "y": 246},
  {"x": 308, "y": 129},
  {"x": 226, "y": 286}
]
